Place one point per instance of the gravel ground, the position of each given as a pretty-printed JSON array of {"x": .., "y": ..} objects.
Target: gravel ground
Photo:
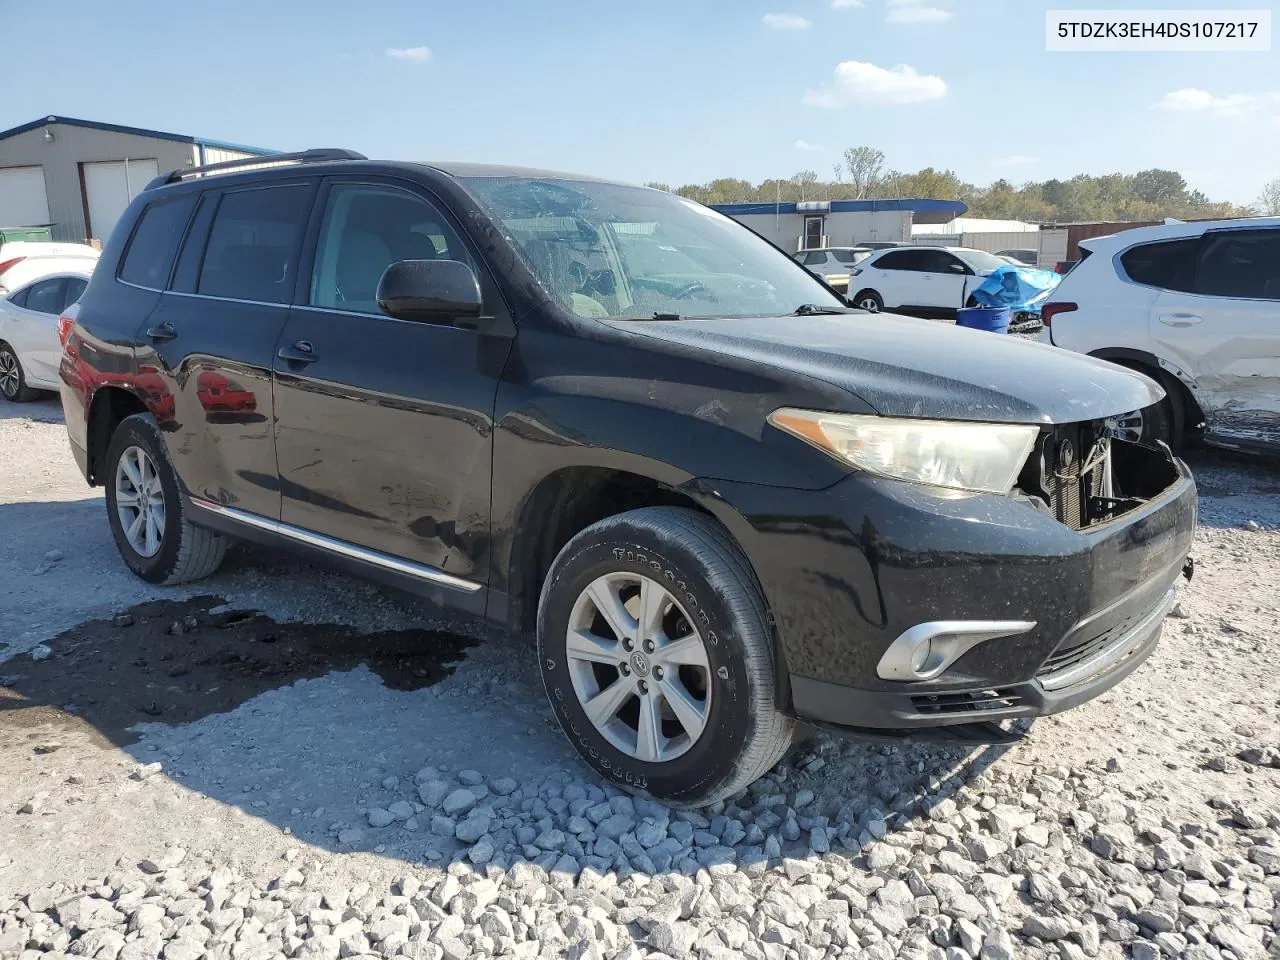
[{"x": 232, "y": 770}]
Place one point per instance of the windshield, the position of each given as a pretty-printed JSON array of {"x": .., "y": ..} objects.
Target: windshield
[
  {"x": 609, "y": 251},
  {"x": 980, "y": 260}
]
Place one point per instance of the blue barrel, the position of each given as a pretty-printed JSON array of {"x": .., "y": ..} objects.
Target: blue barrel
[{"x": 993, "y": 319}]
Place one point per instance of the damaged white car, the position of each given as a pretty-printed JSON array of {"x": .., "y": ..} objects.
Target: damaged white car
[{"x": 1195, "y": 306}]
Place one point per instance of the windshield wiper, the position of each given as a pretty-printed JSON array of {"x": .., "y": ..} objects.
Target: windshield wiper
[{"x": 813, "y": 310}]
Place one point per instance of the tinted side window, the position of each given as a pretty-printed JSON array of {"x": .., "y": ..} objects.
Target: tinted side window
[
  {"x": 366, "y": 229},
  {"x": 155, "y": 242},
  {"x": 253, "y": 244},
  {"x": 814, "y": 259},
  {"x": 898, "y": 260},
  {"x": 20, "y": 298},
  {"x": 846, "y": 256},
  {"x": 46, "y": 296},
  {"x": 74, "y": 288},
  {"x": 937, "y": 261},
  {"x": 1169, "y": 264},
  {"x": 1240, "y": 263}
]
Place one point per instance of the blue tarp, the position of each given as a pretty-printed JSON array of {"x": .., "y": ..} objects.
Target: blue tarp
[{"x": 1021, "y": 289}]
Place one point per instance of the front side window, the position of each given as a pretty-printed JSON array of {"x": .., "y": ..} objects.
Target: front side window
[
  {"x": 1169, "y": 264},
  {"x": 253, "y": 244},
  {"x": 939, "y": 261},
  {"x": 1240, "y": 263},
  {"x": 979, "y": 261},
  {"x": 366, "y": 229},
  {"x": 155, "y": 242},
  {"x": 606, "y": 250}
]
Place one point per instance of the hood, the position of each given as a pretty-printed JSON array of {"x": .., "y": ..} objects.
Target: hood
[{"x": 905, "y": 367}]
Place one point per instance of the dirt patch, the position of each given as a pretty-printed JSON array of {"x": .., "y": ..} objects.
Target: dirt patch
[{"x": 177, "y": 661}]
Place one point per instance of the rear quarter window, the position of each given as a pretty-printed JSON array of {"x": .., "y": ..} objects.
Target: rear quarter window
[
  {"x": 1168, "y": 264},
  {"x": 154, "y": 243}
]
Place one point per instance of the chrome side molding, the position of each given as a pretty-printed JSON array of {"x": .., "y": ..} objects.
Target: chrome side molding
[
  {"x": 926, "y": 650},
  {"x": 340, "y": 547}
]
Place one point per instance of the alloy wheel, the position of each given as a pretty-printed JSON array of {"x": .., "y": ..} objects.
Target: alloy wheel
[
  {"x": 1125, "y": 426},
  {"x": 8, "y": 374},
  {"x": 140, "y": 501},
  {"x": 870, "y": 305},
  {"x": 639, "y": 667}
]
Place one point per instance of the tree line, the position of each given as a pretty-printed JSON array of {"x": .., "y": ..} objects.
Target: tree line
[{"x": 862, "y": 175}]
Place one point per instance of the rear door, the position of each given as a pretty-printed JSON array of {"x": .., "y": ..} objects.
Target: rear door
[
  {"x": 38, "y": 319},
  {"x": 1223, "y": 328},
  {"x": 205, "y": 356},
  {"x": 893, "y": 275},
  {"x": 383, "y": 426}
]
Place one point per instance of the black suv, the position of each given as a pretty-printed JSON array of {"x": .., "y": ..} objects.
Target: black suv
[{"x": 607, "y": 416}]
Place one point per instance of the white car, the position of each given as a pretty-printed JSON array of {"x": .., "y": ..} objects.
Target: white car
[
  {"x": 832, "y": 264},
  {"x": 30, "y": 351},
  {"x": 1195, "y": 306},
  {"x": 22, "y": 261},
  {"x": 919, "y": 279}
]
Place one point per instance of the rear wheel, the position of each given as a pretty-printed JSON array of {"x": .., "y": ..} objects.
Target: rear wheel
[
  {"x": 146, "y": 513},
  {"x": 868, "y": 300},
  {"x": 656, "y": 653},
  {"x": 13, "y": 382}
]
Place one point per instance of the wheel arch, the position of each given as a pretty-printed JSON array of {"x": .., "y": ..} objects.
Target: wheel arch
[
  {"x": 109, "y": 406},
  {"x": 572, "y": 498},
  {"x": 1167, "y": 375}
]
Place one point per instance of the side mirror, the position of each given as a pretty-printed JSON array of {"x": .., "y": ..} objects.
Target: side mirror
[
  {"x": 430, "y": 291},
  {"x": 959, "y": 267}
]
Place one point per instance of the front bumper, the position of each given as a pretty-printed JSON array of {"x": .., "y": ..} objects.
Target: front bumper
[{"x": 848, "y": 569}]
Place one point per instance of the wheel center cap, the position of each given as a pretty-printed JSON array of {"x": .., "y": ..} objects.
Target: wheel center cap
[{"x": 639, "y": 664}]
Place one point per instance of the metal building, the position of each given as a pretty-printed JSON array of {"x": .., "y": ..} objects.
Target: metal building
[
  {"x": 839, "y": 223},
  {"x": 75, "y": 177}
]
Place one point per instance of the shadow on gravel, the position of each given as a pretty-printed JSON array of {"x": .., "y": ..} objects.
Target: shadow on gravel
[
  {"x": 46, "y": 408},
  {"x": 176, "y": 662}
]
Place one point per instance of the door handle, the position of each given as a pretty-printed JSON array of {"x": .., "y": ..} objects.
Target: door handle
[
  {"x": 1181, "y": 319},
  {"x": 300, "y": 352},
  {"x": 164, "y": 331}
]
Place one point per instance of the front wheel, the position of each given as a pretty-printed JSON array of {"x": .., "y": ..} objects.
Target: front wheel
[
  {"x": 146, "y": 513},
  {"x": 656, "y": 653}
]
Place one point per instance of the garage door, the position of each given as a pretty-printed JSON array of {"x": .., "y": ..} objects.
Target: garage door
[
  {"x": 108, "y": 189},
  {"x": 22, "y": 197}
]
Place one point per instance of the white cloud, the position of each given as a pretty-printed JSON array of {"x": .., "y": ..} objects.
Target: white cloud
[
  {"x": 859, "y": 82},
  {"x": 845, "y": 4},
  {"x": 785, "y": 21},
  {"x": 1014, "y": 160},
  {"x": 1191, "y": 100},
  {"x": 413, "y": 54},
  {"x": 807, "y": 147},
  {"x": 913, "y": 11}
]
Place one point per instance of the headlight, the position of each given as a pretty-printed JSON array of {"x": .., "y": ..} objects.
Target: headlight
[{"x": 941, "y": 453}]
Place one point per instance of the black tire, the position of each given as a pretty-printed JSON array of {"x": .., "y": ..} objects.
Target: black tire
[
  {"x": 692, "y": 557},
  {"x": 13, "y": 387},
  {"x": 186, "y": 552},
  {"x": 868, "y": 300}
]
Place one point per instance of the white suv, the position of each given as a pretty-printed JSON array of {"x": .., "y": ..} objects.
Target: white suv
[
  {"x": 1195, "y": 306},
  {"x": 922, "y": 280}
]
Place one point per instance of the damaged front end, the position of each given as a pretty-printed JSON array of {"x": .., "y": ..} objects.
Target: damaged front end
[{"x": 1084, "y": 475}]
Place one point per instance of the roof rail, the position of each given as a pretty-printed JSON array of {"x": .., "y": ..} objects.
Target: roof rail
[{"x": 318, "y": 155}]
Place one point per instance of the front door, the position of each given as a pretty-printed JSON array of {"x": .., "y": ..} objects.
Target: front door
[
  {"x": 384, "y": 426},
  {"x": 942, "y": 280},
  {"x": 209, "y": 343}
]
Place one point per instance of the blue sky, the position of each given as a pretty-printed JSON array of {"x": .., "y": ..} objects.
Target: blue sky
[{"x": 659, "y": 90}]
